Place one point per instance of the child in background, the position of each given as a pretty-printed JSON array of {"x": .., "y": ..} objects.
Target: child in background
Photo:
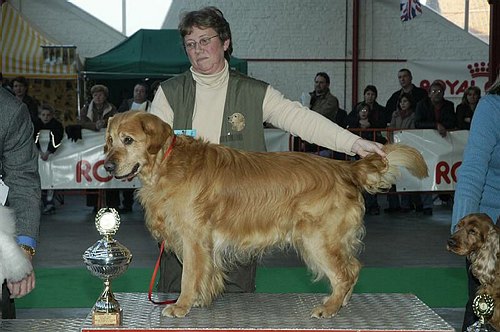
[{"x": 46, "y": 121}]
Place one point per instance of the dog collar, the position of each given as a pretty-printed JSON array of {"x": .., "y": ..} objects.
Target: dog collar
[{"x": 170, "y": 147}]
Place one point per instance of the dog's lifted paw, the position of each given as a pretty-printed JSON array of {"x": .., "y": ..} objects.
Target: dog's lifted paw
[
  {"x": 174, "y": 310},
  {"x": 322, "y": 311}
]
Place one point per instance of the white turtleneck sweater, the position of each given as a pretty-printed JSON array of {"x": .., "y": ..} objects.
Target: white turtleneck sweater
[{"x": 276, "y": 109}]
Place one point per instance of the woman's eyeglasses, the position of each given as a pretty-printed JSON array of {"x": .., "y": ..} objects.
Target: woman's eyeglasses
[{"x": 191, "y": 45}]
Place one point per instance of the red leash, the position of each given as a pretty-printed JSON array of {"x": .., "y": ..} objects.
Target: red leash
[
  {"x": 151, "y": 284},
  {"x": 162, "y": 246}
]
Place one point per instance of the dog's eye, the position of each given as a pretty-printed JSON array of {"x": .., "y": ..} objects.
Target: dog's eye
[
  {"x": 128, "y": 140},
  {"x": 472, "y": 231}
]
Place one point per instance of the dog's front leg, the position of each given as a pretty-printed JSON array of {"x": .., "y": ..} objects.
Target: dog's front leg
[{"x": 194, "y": 269}]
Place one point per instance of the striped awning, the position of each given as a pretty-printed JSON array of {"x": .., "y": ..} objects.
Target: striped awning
[{"x": 25, "y": 51}]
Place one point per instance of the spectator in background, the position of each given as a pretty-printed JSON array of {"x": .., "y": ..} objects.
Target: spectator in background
[
  {"x": 20, "y": 87},
  {"x": 403, "y": 118},
  {"x": 19, "y": 170},
  {"x": 478, "y": 181},
  {"x": 379, "y": 113},
  {"x": 47, "y": 121},
  {"x": 139, "y": 102},
  {"x": 322, "y": 100},
  {"x": 94, "y": 116},
  {"x": 435, "y": 112},
  {"x": 465, "y": 110},
  {"x": 364, "y": 121},
  {"x": 405, "y": 81}
]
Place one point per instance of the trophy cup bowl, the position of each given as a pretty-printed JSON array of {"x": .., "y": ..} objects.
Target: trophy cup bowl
[{"x": 107, "y": 259}]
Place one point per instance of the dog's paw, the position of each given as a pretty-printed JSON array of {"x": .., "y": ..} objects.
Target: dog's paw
[
  {"x": 322, "y": 311},
  {"x": 174, "y": 310}
]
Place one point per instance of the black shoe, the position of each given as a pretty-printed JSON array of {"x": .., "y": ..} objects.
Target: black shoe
[
  {"x": 392, "y": 210},
  {"x": 419, "y": 208},
  {"x": 427, "y": 211},
  {"x": 405, "y": 210}
]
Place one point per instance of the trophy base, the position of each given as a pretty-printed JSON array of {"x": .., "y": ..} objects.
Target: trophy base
[{"x": 107, "y": 318}]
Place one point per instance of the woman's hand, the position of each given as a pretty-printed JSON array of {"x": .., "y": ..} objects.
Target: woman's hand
[{"x": 363, "y": 148}]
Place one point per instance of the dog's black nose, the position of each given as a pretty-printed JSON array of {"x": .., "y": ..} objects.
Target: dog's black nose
[
  {"x": 451, "y": 242},
  {"x": 110, "y": 166}
]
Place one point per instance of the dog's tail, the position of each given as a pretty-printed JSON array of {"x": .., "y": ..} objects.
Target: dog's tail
[{"x": 375, "y": 174}]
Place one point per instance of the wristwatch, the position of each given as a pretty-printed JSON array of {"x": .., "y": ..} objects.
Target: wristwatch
[{"x": 28, "y": 249}]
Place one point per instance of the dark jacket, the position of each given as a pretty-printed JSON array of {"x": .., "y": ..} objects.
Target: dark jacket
[
  {"x": 425, "y": 116},
  {"x": 464, "y": 111},
  {"x": 56, "y": 133},
  {"x": 32, "y": 104},
  {"x": 326, "y": 105}
]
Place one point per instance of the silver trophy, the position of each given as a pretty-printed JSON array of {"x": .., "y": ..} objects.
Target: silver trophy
[{"x": 107, "y": 259}]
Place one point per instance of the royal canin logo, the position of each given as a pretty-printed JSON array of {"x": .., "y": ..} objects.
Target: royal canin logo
[{"x": 478, "y": 69}]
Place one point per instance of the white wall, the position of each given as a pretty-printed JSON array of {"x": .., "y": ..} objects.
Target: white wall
[{"x": 306, "y": 31}]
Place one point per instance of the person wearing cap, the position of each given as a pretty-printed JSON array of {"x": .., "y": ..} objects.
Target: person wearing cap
[{"x": 95, "y": 115}]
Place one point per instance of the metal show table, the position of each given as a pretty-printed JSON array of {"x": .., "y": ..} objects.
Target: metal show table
[{"x": 262, "y": 313}]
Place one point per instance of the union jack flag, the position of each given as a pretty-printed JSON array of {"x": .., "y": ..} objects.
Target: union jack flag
[{"x": 410, "y": 9}]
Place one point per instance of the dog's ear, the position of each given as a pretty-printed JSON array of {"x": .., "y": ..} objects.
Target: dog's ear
[
  {"x": 108, "y": 135},
  {"x": 156, "y": 130},
  {"x": 485, "y": 259}
]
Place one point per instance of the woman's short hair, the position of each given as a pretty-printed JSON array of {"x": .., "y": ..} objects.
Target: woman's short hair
[
  {"x": 99, "y": 88},
  {"x": 371, "y": 88},
  {"x": 208, "y": 17}
]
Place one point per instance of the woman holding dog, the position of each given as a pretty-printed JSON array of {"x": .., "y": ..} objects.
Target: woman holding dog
[
  {"x": 208, "y": 98},
  {"x": 478, "y": 186}
]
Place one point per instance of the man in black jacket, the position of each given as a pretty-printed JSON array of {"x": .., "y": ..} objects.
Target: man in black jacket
[{"x": 405, "y": 80}]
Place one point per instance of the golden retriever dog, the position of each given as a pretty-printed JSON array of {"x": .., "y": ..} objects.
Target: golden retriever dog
[
  {"x": 214, "y": 205},
  {"x": 479, "y": 239}
]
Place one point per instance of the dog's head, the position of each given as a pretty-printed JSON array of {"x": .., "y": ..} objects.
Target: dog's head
[
  {"x": 133, "y": 141},
  {"x": 471, "y": 234}
]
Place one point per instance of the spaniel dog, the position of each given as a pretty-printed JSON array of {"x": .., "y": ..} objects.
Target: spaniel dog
[
  {"x": 479, "y": 239},
  {"x": 14, "y": 263},
  {"x": 214, "y": 205}
]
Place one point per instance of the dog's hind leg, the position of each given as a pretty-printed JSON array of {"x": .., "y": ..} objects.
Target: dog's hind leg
[{"x": 334, "y": 257}]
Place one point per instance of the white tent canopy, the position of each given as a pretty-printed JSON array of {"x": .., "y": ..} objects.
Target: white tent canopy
[{"x": 25, "y": 51}]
